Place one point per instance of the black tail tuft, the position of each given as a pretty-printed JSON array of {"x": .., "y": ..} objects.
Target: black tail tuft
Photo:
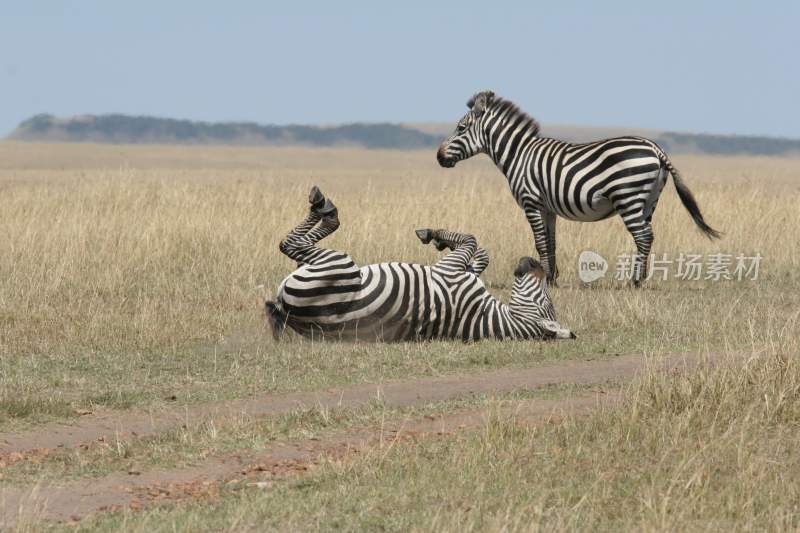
[
  {"x": 690, "y": 204},
  {"x": 276, "y": 318}
]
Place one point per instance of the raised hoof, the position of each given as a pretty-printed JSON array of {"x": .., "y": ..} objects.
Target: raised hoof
[
  {"x": 328, "y": 209},
  {"x": 316, "y": 198},
  {"x": 424, "y": 235}
]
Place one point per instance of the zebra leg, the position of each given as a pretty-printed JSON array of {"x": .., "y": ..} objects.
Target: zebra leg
[
  {"x": 642, "y": 234},
  {"x": 328, "y": 224},
  {"x": 463, "y": 246},
  {"x": 295, "y": 242},
  {"x": 550, "y": 227},
  {"x": 536, "y": 219},
  {"x": 479, "y": 261},
  {"x": 300, "y": 243},
  {"x": 426, "y": 236}
]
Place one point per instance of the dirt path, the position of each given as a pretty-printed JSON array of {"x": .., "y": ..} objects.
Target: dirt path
[
  {"x": 113, "y": 425},
  {"x": 76, "y": 499}
]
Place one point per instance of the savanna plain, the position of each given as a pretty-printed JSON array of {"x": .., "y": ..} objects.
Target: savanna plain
[{"x": 132, "y": 282}]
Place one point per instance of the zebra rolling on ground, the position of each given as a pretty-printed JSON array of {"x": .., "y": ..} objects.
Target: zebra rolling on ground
[
  {"x": 584, "y": 182},
  {"x": 329, "y": 296}
]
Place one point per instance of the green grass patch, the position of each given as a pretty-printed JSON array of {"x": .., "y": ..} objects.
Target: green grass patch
[{"x": 28, "y": 409}]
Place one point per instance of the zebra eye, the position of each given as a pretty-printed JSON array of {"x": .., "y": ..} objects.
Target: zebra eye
[{"x": 461, "y": 126}]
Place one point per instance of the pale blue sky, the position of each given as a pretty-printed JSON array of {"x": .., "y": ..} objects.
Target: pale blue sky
[{"x": 721, "y": 67}]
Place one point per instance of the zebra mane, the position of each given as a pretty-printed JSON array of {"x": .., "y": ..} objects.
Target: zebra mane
[{"x": 500, "y": 105}]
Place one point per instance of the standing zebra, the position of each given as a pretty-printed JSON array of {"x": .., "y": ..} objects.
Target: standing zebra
[
  {"x": 330, "y": 296},
  {"x": 584, "y": 182}
]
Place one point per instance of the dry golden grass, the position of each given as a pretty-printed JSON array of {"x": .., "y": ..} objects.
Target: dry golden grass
[
  {"x": 117, "y": 259},
  {"x": 141, "y": 248},
  {"x": 130, "y": 273}
]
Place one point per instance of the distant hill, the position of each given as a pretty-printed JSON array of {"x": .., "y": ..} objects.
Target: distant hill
[
  {"x": 672, "y": 142},
  {"x": 150, "y": 130},
  {"x": 121, "y": 129},
  {"x": 727, "y": 144}
]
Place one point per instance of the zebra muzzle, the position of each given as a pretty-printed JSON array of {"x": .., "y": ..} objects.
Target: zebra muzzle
[{"x": 441, "y": 157}]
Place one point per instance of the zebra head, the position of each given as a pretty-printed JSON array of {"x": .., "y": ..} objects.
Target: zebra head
[
  {"x": 468, "y": 138},
  {"x": 530, "y": 299}
]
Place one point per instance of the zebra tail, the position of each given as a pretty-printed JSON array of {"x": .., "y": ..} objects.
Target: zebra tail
[
  {"x": 276, "y": 318},
  {"x": 687, "y": 198}
]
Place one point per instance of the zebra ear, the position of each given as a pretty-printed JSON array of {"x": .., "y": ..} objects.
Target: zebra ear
[
  {"x": 538, "y": 271},
  {"x": 481, "y": 101}
]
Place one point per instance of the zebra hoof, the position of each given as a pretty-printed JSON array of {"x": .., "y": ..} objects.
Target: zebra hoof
[
  {"x": 326, "y": 210},
  {"x": 316, "y": 198},
  {"x": 424, "y": 235}
]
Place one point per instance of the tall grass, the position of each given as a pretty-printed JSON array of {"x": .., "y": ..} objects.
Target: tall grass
[
  {"x": 143, "y": 270},
  {"x": 146, "y": 258},
  {"x": 128, "y": 273}
]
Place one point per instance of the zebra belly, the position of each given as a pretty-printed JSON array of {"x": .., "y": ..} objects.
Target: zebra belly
[
  {"x": 392, "y": 301},
  {"x": 600, "y": 209}
]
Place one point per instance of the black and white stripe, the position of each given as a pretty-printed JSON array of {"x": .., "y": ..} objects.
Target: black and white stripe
[
  {"x": 583, "y": 182},
  {"x": 329, "y": 296}
]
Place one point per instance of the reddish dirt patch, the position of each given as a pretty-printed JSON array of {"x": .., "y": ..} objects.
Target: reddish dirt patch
[{"x": 35, "y": 456}]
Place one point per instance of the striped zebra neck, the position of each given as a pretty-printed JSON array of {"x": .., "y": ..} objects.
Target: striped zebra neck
[
  {"x": 529, "y": 299},
  {"x": 508, "y": 130},
  {"x": 520, "y": 318}
]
